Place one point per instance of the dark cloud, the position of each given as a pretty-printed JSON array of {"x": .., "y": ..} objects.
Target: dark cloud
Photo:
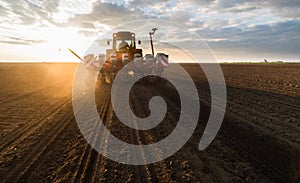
[
  {"x": 287, "y": 8},
  {"x": 274, "y": 38},
  {"x": 242, "y": 9},
  {"x": 284, "y": 3},
  {"x": 282, "y": 30},
  {"x": 229, "y": 3},
  {"x": 87, "y": 25},
  {"x": 282, "y": 8},
  {"x": 109, "y": 14},
  {"x": 3, "y": 11},
  {"x": 147, "y": 3}
]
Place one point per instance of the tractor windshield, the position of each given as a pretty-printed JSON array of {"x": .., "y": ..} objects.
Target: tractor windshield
[{"x": 122, "y": 44}]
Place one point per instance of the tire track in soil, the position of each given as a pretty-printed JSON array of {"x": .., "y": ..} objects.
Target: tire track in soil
[
  {"x": 141, "y": 173},
  {"x": 146, "y": 138},
  {"x": 109, "y": 170},
  {"x": 285, "y": 102},
  {"x": 15, "y": 110},
  {"x": 108, "y": 166},
  {"x": 37, "y": 152},
  {"x": 101, "y": 161},
  {"x": 104, "y": 165},
  {"x": 191, "y": 146},
  {"x": 24, "y": 131},
  {"x": 261, "y": 108},
  {"x": 147, "y": 173},
  {"x": 252, "y": 108},
  {"x": 257, "y": 161},
  {"x": 254, "y": 158},
  {"x": 24, "y": 96},
  {"x": 268, "y": 124},
  {"x": 261, "y": 131},
  {"x": 184, "y": 168},
  {"x": 90, "y": 158}
]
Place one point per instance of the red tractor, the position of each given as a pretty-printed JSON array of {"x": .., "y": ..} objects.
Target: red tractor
[{"x": 124, "y": 51}]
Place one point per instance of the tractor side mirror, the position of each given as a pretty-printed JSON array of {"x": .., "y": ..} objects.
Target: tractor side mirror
[
  {"x": 139, "y": 42},
  {"x": 108, "y": 42}
]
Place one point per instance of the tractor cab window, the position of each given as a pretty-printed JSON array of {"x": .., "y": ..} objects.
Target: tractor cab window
[{"x": 123, "y": 44}]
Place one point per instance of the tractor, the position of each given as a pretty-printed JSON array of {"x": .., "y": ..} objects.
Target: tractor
[{"x": 124, "y": 52}]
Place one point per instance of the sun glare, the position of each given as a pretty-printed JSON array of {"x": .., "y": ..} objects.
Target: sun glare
[{"x": 55, "y": 48}]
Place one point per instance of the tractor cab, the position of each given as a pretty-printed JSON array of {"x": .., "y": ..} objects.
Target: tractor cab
[
  {"x": 123, "y": 46},
  {"x": 123, "y": 41}
]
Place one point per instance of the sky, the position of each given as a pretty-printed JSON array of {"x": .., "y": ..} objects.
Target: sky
[{"x": 234, "y": 30}]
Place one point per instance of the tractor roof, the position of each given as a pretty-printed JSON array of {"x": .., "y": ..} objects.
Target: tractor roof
[{"x": 124, "y": 34}]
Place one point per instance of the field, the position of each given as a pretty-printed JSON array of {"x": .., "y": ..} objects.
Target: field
[{"x": 259, "y": 140}]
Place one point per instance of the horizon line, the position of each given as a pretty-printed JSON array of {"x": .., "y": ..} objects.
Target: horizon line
[{"x": 180, "y": 62}]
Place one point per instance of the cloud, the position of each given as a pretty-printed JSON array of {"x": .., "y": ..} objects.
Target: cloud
[
  {"x": 244, "y": 25},
  {"x": 243, "y": 9},
  {"x": 20, "y": 41},
  {"x": 31, "y": 11},
  {"x": 3, "y": 10},
  {"x": 279, "y": 38},
  {"x": 287, "y": 9},
  {"x": 89, "y": 33},
  {"x": 109, "y": 14}
]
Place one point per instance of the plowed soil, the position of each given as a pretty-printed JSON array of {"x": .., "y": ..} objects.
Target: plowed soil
[{"x": 259, "y": 140}]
